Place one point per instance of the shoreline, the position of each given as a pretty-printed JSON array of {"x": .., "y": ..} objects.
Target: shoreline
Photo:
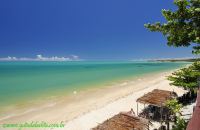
[
  {"x": 111, "y": 93},
  {"x": 124, "y": 103},
  {"x": 80, "y": 106}
]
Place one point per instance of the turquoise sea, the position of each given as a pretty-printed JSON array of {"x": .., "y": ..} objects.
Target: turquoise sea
[{"x": 25, "y": 81}]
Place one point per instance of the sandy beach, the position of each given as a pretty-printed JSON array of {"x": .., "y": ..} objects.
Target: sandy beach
[
  {"x": 85, "y": 110},
  {"x": 125, "y": 102}
]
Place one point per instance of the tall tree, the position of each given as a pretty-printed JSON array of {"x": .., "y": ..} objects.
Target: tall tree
[
  {"x": 186, "y": 77},
  {"x": 183, "y": 25}
]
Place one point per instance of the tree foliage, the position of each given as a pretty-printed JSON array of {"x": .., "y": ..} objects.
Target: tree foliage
[
  {"x": 186, "y": 77},
  {"x": 174, "y": 106},
  {"x": 182, "y": 27},
  {"x": 180, "y": 124}
]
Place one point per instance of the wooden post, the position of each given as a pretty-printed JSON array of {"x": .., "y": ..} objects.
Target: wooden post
[
  {"x": 161, "y": 113},
  {"x": 168, "y": 125},
  {"x": 137, "y": 108}
]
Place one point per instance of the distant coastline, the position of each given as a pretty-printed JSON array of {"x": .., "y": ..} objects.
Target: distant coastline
[{"x": 176, "y": 60}]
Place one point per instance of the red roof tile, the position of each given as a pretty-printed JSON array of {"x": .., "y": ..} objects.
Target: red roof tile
[{"x": 194, "y": 123}]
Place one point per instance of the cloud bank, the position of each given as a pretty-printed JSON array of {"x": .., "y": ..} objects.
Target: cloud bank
[{"x": 42, "y": 58}]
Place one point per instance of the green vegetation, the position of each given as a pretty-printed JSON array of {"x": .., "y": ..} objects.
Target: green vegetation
[
  {"x": 183, "y": 25},
  {"x": 180, "y": 124},
  {"x": 186, "y": 77},
  {"x": 175, "y": 107},
  {"x": 182, "y": 29}
]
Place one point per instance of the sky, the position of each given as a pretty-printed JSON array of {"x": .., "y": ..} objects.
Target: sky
[{"x": 88, "y": 29}]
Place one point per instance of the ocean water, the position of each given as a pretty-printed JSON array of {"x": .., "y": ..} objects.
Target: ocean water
[{"x": 29, "y": 81}]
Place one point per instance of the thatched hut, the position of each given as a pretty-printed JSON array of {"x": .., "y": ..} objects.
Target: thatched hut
[
  {"x": 157, "y": 110},
  {"x": 124, "y": 122},
  {"x": 157, "y": 97}
]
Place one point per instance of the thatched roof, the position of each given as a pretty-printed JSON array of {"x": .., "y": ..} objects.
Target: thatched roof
[
  {"x": 157, "y": 97},
  {"x": 123, "y": 122}
]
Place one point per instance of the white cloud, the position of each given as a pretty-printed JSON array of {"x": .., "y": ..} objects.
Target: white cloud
[
  {"x": 74, "y": 57},
  {"x": 39, "y": 57},
  {"x": 9, "y": 58},
  {"x": 42, "y": 58}
]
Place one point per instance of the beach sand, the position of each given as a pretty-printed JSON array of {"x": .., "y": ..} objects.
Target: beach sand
[{"x": 86, "y": 110}]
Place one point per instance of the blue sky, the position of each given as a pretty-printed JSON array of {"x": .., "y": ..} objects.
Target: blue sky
[{"x": 90, "y": 29}]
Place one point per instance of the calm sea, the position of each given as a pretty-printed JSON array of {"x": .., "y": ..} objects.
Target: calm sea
[{"x": 25, "y": 81}]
